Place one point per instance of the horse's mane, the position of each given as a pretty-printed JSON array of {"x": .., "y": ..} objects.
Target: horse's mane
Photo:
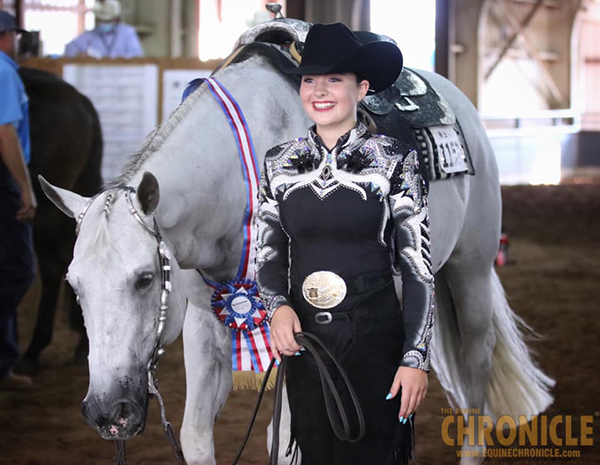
[
  {"x": 101, "y": 235},
  {"x": 157, "y": 137}
]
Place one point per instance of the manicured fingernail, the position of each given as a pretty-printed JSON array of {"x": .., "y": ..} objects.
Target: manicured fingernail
[
  {"x": 297, "y": 353},
  {"x": 401, "y": 419},
  {"x": 277, "y": 363},
  {"x": 411, "y": 415},
  {"x": 303, "y": 349},
  {"x": 404, "y": 422},
  {"x": 389, "y": 396}
]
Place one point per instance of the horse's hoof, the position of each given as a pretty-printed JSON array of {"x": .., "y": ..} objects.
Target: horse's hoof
[
  {"x": 80, "y": 356},
  {"x": 27, "y": 366}
]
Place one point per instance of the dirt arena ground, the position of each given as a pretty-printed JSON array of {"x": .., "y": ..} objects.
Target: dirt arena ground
[{"x": 552, "y": 280}]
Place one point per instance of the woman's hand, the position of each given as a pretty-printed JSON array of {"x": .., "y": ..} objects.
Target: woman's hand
[
  {"x": 414, "y": 387},
  {"x": 284, "y": 324}
]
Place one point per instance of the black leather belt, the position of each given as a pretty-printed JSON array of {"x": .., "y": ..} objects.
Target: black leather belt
[
  {"x": 363, "y": 283},
  {"x": 357, "y": 285},
  {"x": 368, "y": 282}
]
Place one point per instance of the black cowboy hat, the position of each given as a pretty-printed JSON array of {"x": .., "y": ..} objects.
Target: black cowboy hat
[{"x": 333, "y": 48}]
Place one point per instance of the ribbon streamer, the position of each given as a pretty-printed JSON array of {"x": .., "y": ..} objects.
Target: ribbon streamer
[{"x": 236, "y": 303}]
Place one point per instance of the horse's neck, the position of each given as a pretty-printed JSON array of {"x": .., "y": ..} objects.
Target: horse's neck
[
  {"x": 269, "y": 101},
  {"x": 203, "y": 194}
]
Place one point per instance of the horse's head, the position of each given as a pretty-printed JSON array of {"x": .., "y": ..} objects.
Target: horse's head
[{"x": 117, "y": 274}]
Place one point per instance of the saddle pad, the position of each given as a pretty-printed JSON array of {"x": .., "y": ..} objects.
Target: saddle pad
[
  {"x": 444, "y": 151},
  {"x": 408, "y": 84},
  {"x": 441, "y": 148},
  {"x": 426, "y": 110},
  {"x": 383, "y": 102},
  {"x": 421, "y": 105}
]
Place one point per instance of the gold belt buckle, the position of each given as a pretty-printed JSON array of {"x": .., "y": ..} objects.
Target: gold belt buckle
[{"x": 324, "y": 289}]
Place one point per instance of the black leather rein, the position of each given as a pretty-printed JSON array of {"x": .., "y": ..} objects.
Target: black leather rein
[{"x": 338, "y": 417}]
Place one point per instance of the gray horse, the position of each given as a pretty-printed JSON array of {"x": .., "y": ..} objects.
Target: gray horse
[{"x": 197, "y": 197}]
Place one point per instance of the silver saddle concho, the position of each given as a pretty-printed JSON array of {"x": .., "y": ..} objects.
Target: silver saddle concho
[{"x": 324, "y": 289}]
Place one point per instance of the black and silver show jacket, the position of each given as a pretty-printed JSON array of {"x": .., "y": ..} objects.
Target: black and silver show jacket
[{"x": 358, "y": 209}]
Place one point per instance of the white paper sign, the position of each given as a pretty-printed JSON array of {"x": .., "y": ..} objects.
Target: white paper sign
[
  {"x": 126, "y": 98},
  {"x": 451, "y": 154}
]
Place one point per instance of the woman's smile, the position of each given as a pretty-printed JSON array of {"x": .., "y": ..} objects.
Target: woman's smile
[{"x": 323, "y": 106}]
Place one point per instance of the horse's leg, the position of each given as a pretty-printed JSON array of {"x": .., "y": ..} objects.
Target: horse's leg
[
  {"x": 484, "y": 350},
  {"x": 207, "y": 353},
  {"x": 468, "y": 291},
  {"x": 464, "y": 242}
]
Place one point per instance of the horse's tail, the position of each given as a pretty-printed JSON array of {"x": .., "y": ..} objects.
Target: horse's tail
[{"x": 517, "y": 387}]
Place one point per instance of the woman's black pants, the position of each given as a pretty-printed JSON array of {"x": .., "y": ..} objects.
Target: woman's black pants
[{"x": 366, "y": 336}]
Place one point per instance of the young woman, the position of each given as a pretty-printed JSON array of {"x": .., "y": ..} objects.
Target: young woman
[{"x": 339, "y": 210}]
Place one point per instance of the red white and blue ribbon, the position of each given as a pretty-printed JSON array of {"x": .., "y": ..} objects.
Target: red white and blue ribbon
[{"x": 236, "y": 303}]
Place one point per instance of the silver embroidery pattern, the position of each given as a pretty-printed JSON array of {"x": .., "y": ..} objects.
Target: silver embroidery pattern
[
  {"x": 410, "y": 212},
  {"x": 378, "y": 152},
  {"x": 422, "y": 354},
  {"x": 267, "y": 214},
  {"x": 418, "y": 253},
  {"x": 410, "y": 205},
  {"x": 328, "y": 176},
  {"x": 362, "y": 165},
  {"x": 269, "y": 226},
  {"x": 422, "y": 362}
]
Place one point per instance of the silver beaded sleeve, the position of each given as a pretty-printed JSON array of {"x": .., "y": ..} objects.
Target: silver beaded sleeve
[
  {"x": 409, "y": 212},
  {"x": 272, "y": 263}
]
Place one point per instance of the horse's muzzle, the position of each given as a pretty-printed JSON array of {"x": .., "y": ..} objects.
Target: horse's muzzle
[{"x": 125, "y": 420}]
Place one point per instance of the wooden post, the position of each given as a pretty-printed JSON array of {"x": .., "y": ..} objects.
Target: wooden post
[
  {"x": 81, "y": 17},
  {"x": 19, "y": 13},
  {"x": 295, "y": 9},
  {"x": 442, "y": 37}
]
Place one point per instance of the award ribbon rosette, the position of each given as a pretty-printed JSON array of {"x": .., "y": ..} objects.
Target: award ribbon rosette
[{"x": 236, "y": 303}]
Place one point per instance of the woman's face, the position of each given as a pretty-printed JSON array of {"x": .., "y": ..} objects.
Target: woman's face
[{"x": 330, "y": 100}]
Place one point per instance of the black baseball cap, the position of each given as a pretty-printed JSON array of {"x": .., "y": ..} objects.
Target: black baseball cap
[{"x": 9, "y": 23}]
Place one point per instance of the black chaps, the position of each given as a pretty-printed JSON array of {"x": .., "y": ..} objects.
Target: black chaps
[{"x": 366, "y": 336}]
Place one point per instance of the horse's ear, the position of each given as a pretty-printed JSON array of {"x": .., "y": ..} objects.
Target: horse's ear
[
  {"x": 68, "y": 202},
  {"x": 148, "y": 193}
]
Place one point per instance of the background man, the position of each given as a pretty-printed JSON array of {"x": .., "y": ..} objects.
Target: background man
[
  {"x": 110, "y": 38},
  {"x": 17, "y": 203}
]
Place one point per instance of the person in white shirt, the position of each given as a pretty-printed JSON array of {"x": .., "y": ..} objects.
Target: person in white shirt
[{"x": 110, "y": 38}]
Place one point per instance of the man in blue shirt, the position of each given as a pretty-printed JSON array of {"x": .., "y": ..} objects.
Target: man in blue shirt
[
  {"x": 109, "y": 39},
  {"x": 17, "y": 203}
]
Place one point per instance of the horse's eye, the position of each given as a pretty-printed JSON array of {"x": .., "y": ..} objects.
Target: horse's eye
[{"x": 144, "y": 280}]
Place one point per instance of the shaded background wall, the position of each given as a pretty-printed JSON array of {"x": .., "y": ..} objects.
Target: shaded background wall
[{"x": 531, "y": 67}]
